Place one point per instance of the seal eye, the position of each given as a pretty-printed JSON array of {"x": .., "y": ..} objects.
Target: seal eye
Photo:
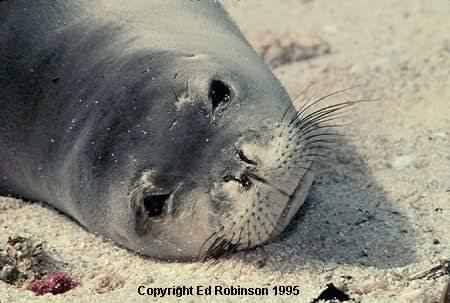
[
  {"x": 219, "y": 94},
  {"x": 154, "y": 204}
]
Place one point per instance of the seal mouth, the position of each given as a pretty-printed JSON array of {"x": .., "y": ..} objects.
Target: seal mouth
[{"x": 299, "y": 192}]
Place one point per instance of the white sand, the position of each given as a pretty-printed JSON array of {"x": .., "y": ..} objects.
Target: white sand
[{"x": 380, "y": 204}]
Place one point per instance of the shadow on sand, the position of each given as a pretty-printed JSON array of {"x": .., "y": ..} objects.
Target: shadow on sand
[{"x": 347, "y": 219}]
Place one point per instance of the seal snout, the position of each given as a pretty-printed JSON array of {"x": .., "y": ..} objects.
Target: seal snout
[{"x": 244, "y": 177}]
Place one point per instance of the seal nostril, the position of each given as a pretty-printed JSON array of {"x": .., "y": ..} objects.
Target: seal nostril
[
  {"x": 245, "y": 159},
  {"x": 244, "y": 180},
  {"x": 219, "y": 94},
  {"x": 154, "y": 204},
  {"x": 229, "y": 178}
]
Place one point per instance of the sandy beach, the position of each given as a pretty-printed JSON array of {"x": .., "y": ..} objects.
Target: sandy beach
[{"x": 377, "y": 220}]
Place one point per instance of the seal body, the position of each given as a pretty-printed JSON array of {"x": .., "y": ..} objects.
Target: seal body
[{"x": 153, "y": 123}]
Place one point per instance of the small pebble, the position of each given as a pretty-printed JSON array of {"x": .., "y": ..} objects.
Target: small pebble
[
  {"x": 54, "y": 283},
  {"x": 107, "y": 283},
  {"x": 401, "y": 162}
]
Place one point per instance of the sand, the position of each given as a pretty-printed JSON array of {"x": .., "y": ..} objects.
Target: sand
[{"x": 378, "y": 216}]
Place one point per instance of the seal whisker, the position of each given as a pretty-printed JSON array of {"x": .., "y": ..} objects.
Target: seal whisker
[
  {"x": 265, "y": 230},
  {"x": 319, "y": 135},
  {"x": 240, "y": 234},
  {"x": 313, "y": 147},
  {"x": 260, "y": 241},
  {"x": 225, "y": 248},
  {"x": 308, "y": 105},
  {"x": 325, "y": 142},
  {"x": 321, "y": 123},
  {"x": 323, "y": 112},
  {"x": 221, "y": 247},
  {"x": 269, "y": 219},
  {"x": 210, "y": 262},
  {"x": 318, "y": 130},
  {"x": 313, "y": 102},
  {"x": 212, "y": 236},
  {"x": 208, "y": 239},
  {"x": 233, "y": 234},
  {"x": 297, "y": 97},
  {"x": 308, "y": 126},
  {"x": 321, "y": 140},
  {"x": 314, "y": 156},
  {"x": 309, "y": 129},
  {"x": 249, "y": 241},
  {"x": 211, "y": 252},
  {"x": 264, "y": 181},
  {"x": 258, "y": 234},
  {"x": 288, "y": 107},
  {"x": 270, "y": 212}
]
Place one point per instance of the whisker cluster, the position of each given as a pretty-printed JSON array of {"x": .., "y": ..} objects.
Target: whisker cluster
[
  {"x": 314, "y": 130},
  {"x": 216, "y": 245},
  {"x": 309, "y": 132}
]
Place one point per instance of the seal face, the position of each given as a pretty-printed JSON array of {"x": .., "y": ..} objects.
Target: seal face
[{"x": 153, "y": 123}]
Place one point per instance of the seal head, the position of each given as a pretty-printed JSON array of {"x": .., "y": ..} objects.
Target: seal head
[
  {"x": 225, "y": 170},
  {"x": 153, "y": 123}
]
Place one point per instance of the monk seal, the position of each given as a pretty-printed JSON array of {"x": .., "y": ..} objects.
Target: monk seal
[{"x": 153, "y": 123}]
